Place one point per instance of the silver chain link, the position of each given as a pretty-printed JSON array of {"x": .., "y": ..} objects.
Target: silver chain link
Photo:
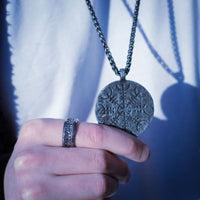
[{"x": 104, "y": 43}]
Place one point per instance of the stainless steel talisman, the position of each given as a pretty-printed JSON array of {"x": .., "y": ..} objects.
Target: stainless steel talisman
[{"x": 123, "y": 104}]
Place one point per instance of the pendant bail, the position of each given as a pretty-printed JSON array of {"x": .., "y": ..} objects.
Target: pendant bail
[
  {"x": 122, "y": 74},
  {"x": 179, "y": 76}
]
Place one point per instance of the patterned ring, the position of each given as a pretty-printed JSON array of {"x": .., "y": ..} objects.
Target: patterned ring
[{"x": 69, "y": 127}]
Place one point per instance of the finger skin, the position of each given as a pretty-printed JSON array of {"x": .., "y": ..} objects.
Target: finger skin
[
  {"x": 113, "y": 140},
  {"x": 85, "y": 161},
  {"x": 70, "y": 187},
  {"x": 49, "y": 132},
  {"x": 69, "y": 161},
  {"x": 26, "y": 178},
  {"x": 88, "y": 186},
  {"x": 37, "y": 179}
]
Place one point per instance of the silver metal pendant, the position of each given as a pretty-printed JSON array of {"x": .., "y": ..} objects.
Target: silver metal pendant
[{"x": 126, "y": 105}]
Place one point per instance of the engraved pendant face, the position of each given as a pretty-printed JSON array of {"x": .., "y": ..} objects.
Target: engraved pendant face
[{"x": 126, "y": 105}]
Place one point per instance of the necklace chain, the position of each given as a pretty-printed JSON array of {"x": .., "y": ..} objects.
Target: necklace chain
[
  {"x": 177, "y": 75},
  {"x": 122, "y": 72}
]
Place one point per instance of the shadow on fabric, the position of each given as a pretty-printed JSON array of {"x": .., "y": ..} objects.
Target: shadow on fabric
[
  {"x": 173, "y": 169},
  {"x": 85, "y": 85}
]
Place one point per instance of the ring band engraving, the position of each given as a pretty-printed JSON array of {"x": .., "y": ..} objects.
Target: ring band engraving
[{"x": 69, "y": 129}]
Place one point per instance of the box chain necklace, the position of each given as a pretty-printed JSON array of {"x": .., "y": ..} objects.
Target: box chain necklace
[{"x": 123, "y": 104}]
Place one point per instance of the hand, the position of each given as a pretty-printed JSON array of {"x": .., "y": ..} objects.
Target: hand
[{"x": 40, "y": 168}]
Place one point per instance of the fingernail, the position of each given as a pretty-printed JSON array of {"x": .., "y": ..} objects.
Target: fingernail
[{"x": 146, "y": 153}]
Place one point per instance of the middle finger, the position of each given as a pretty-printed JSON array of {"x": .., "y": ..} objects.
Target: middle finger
[{"x": 69, "y": 161}]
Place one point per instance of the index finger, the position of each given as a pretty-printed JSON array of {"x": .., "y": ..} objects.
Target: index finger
[
  {"x": 111, "y": 139},
  {"x": 88, "y": 135}
]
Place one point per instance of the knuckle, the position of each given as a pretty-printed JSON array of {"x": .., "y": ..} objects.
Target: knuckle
[
  {"x": 101, "y": 185},
  {"x": 32, "y": 127},
  {"x": 100, "y": 160},
  {"x": 29, "y": 159},
  {"x": 131, "y": 148},
  {"x": 95, "y": 135},
  {"x": 33, "y": 190},
  {"x": 105, "y": 186}
]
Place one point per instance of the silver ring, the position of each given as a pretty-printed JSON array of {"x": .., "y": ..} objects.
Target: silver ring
[{"x": 69, "y": 128}]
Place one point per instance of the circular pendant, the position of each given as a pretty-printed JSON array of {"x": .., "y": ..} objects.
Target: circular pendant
[{"x": 126, "y": 105}]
